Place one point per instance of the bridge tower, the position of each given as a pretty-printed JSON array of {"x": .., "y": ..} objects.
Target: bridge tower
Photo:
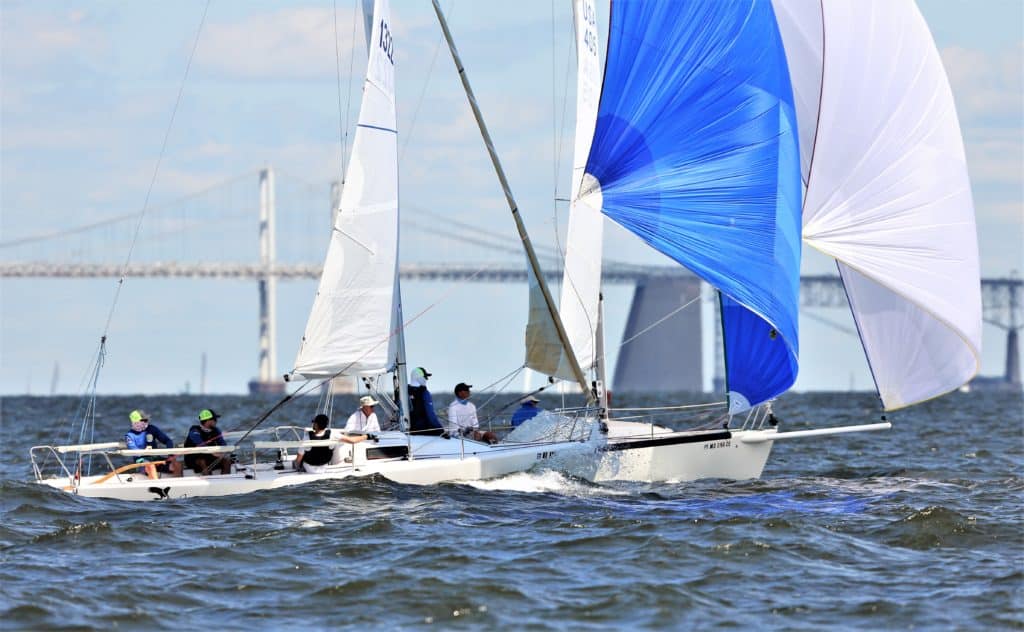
[
  {"x": 267, "y": 382},
  {"x": 667, "y": 357},
  {"x": 1012, "y": 373}
]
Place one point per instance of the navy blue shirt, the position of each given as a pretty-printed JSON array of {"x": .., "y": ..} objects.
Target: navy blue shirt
[
  {"x": 422, "y": 416},
  {"x": 523, "y": 413},
  {"x": 198, "y": 436}
]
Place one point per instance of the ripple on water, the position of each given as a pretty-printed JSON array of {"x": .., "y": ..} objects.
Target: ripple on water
[
  {"x": 932, "y": 527},
  {"x": 851, "y": 533}
]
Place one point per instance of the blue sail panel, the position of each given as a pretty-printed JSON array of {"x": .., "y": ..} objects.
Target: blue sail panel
[{"x": 696, "y": 152}]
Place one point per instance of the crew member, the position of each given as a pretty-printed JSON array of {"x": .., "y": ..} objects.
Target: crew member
[
  {"x": 462, "y": 416},
  {"x": 422, "y": 418},
  {"x": 527, "y": 410},
  {"x": 143, "y": 435},
  {"x": 206, "y": 433}
]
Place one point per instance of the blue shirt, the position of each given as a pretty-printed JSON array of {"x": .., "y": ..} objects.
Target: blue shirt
[
  {"x": 523, "y": 413},
  {"x": 148, "y": 438}
]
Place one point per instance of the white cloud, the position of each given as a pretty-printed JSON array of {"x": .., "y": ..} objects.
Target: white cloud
[
  {"x": 33, "y": 39},
  {"x": 997, "y": 161},
  {"x": 283, "y": 44},
  {"x": 988, "y": 87},
  {"x": 989, "y": 92}
]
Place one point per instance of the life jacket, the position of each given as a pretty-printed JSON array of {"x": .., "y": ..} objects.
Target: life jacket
[
  {"x": 321, "y": 454},
  {"x": 139, "y": 440}
]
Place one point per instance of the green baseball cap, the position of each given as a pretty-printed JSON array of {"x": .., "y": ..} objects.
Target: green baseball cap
[
  {"x": 207, "y": 414},
  {"x": 138, "y": 415}
]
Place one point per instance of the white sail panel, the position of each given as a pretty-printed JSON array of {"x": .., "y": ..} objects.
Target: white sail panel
[
  {"x": 802, "y": 36},
  {"x": 922, "y": 366},
  {"x": 581, "y": 282},
  {"x": 349, "y": 330},
  {"x": 889, "y": 198}
]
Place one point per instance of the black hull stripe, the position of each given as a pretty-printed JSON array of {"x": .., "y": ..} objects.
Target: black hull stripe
[{"x": 615, "y": 445}]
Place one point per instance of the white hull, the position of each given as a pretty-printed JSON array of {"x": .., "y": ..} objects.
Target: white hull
[
  {"x": 650, "y": 453},
  {"x": 436, "y": 460}
]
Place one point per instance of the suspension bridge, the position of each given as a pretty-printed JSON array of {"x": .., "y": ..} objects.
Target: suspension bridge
[{"x": 230, "y": 217}]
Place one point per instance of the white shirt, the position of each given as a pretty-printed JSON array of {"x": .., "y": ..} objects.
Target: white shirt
[
  {"x": 359, "y": 422},
  {"x": 462, "y": 415}
]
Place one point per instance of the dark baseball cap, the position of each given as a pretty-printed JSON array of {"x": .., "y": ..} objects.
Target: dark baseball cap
[{"x": 462, "y": 386}]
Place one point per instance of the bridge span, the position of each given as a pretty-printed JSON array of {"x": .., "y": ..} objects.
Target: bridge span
[
  {"x": 1000, "y": 296},
  {"x": 655, "y": 300}
]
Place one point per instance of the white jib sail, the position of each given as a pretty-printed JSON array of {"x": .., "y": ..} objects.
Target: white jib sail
[
  {"x": 581, "y": 283},
  {"x": 889, "y": 198},
  {"x": 349, "y": 331}
]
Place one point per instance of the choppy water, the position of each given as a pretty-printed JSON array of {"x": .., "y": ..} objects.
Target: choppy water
[{"x": 918, "y": 527}]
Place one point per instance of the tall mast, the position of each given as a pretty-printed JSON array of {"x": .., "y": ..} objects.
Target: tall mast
[
  {"x": 402, "y": 370},
  {"x": 527, "y": 245}
]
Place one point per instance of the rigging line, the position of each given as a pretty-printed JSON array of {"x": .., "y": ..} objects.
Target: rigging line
[
  {"x": 659, "y": 321},
  {"x": 554, "y": 105},
  {"x": 309, "y": 384},
  {"x": 543, "y": 251},
  {"x": 445, "y": 296},
  {"x": 561, "y": 142},
  {"x": 492, "y": 243},
  {"x": 156, "y": 170},
  {"x": 423, "y": 93},
  {"x": 267, "y": 414},
  {"x": 344, "y": 125},
  {"x": 507, "y": 378},
  {"x": 567, "y": 277},
  {"x": 520, "y": 398},
  {"x": 19, "y": 241},
  {"x": 80, "y": 411},
  {"x": 403, "y": 326},
  {"x": 337, "y": 72}
]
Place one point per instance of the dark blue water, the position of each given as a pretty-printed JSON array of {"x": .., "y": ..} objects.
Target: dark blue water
[{"x": 918, "y": 527}]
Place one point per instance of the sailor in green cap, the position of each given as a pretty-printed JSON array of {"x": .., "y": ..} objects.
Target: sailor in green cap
[
  {"x": 143, "y": 435},
  {"x": 206, "y": 433}
]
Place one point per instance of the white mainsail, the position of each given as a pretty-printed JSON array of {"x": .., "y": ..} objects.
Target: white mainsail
[
  {"x": 581, "y": 283},
  {"x": 352, "y": 319},
  {"x": 888, "y": 194}
]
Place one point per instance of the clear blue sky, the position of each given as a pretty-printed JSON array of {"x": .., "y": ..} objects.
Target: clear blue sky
[{"x": 88, "y": 88}]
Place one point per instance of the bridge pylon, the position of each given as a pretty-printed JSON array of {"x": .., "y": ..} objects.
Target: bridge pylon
[{"x": 267, "y": 382}]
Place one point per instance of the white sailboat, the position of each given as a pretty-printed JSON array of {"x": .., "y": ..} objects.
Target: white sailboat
[
  {"x": 887, "y": 196},
  {"x": 355, "y": 328}
]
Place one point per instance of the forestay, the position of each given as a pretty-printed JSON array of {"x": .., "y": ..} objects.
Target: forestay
[
  {"x": 350, "y": 326},
  {"x": 888, "y": 192},
  {"x": 695, "y": 150}
]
